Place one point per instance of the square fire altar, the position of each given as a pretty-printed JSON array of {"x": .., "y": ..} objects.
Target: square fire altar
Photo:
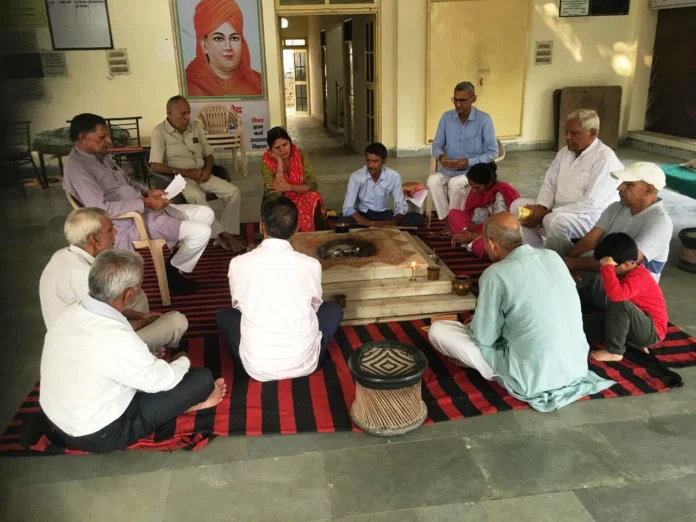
[{"x": 373, "y": 269}]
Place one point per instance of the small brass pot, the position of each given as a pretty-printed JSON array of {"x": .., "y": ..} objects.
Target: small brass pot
[
  {"x": 461, "y": 285},
  {"x": 341, "y": 227},
  {"x": 433, "y": 273}
]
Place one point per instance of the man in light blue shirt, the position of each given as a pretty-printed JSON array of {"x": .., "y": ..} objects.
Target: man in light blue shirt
[
  {"x": 367, "y": 195},
  {"x": 465, "y": 137}
]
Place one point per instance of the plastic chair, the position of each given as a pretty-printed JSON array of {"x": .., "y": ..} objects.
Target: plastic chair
[
  {"x": 223, "y": 129},
  {"x": 155, "y": 246}
]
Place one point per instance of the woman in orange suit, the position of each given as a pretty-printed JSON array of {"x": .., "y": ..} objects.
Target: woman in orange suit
[{"x": 222, "y": 66}]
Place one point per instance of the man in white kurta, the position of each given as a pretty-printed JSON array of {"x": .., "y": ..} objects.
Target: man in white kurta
[
  {"x": 577, "y": 187},
  {"x": 527, "y": 331},
  {"x": 64, "y": 280},
  {"x": 100, "y": 385},
  {"x": 278, "y": 326}
]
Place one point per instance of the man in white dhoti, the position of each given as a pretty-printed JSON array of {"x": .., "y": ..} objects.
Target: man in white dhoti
[
  {"x": 577, "y": 187},
  {"x": 89, "y": 232}
]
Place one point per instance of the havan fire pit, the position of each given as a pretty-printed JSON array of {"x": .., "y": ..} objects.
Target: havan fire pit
[{"x": 346, "y": 248}]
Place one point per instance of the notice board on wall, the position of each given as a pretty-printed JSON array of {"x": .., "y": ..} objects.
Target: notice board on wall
[
  {"x": 79, "y": 24},
  {"x": 577, "y": 8}
]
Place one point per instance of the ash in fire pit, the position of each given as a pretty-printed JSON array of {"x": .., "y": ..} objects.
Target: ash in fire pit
[{"x": 346, "y": 248}]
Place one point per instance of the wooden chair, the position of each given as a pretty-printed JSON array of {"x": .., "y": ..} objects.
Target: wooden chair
[
  {"x": 223, "y": 129},
  {"x": 16, "y": 150},
  {"x": 155, "y": 246},
  {"x": 433, "y": 170}
]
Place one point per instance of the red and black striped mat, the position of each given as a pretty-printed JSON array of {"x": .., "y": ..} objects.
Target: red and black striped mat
[{"x": 321, "y": 402}]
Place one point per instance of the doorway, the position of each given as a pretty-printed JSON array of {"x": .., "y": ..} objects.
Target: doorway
[
  {"x": 330, "y": 71},
  {"x": 296, "y": 77}
]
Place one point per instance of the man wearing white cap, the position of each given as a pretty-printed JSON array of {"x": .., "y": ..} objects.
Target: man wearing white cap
[{"x": 638, "y": 213}]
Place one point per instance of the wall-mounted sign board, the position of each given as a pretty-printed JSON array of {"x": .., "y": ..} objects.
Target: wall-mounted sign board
[
  {"x": 575, "y": 8},
  {"x": 79, "y": 24}
]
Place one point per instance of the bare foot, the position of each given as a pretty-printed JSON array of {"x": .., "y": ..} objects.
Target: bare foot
[
  {"x": 222, "y": 244},
  {"x": 231, "y": 242},
  {"x": 159, "y": 352},
  {"x": 214, "y": 398},
  {"x": 446, "y": 231},
  {"x": 603, "y": 355}
]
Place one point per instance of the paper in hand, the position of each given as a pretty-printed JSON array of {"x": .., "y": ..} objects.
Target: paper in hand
[
  {"x": 418, "y": 198},
  {"x": 176, "y": 187}
]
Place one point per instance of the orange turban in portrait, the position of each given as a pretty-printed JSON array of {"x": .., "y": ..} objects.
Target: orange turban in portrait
[{"x": 201, "y": 80}]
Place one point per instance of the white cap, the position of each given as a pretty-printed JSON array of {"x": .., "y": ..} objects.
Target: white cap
[{"x": 643, "y": 171}]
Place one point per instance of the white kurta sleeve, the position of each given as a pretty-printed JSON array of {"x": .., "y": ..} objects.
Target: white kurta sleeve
[
  {"x": 133, "y": 365},
  {"x": 600, "y": 187},
  {"x": 547, "y": 193}
]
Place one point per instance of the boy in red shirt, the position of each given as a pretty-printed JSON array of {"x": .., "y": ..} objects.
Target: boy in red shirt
[{"x": 636, "y": 313}]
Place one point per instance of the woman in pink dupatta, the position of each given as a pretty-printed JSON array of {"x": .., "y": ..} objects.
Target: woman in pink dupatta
[{"x": 487, "y": 196}]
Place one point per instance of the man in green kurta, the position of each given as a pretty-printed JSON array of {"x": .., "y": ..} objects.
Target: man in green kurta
[{"x": 527, "y": 330}]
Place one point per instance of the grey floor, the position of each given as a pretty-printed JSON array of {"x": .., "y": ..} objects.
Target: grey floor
[{"x": 625, "y": 459}]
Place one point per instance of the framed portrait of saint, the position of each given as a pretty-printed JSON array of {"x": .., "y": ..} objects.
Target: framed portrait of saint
[{"x": 220, "y": 49}]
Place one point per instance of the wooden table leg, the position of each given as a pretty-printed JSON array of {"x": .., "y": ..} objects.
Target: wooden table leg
[{"x": 44, "y": 176}]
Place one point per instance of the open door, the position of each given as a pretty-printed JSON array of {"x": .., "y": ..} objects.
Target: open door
[
  {"x": 301, "y": 81},
  {"x": 370, "y": 79}
]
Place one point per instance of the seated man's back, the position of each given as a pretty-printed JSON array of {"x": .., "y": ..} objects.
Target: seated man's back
[
  {"x": 546, "y": 347},
  {"x": 62, "y": 280},
  {"x": 279, "y": 292}
]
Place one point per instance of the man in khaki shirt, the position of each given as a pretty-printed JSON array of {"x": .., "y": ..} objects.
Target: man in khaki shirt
[{"x": 180, "y": 147}]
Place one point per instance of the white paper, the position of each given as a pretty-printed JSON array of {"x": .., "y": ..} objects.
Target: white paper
[
  {"x": 54, "y": 64},
  {"x": 418, "y": 198},
  {"x": 176, "y": 187}
]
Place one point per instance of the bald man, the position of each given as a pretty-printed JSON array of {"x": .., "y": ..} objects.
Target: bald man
[{"x": 527, "y": 331}]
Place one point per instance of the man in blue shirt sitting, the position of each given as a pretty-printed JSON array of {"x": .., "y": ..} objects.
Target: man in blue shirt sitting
[
  {"x": 465, "y": 137},
  {"x": 367, "y": 195}
]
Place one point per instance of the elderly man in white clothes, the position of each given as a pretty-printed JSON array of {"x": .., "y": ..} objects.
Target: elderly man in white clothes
[
  {"x": 577, "y": 187},
  {"x": 89, "y": 232},
  {"x": 278, "y": 326},
  {"x": 100, "y": 385}
]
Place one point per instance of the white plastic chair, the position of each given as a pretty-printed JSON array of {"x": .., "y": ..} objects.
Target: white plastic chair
[{"x": 217, "y": 120}]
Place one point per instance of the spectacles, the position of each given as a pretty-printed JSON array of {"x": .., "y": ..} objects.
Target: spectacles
[{"x": 462, "y": 101}]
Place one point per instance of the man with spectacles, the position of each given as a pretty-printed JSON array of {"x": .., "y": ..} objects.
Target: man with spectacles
[{"x": 465, "y": 137}]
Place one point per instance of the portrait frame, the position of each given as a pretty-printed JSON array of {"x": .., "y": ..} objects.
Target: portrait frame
[{"x": 185, "y": 44}]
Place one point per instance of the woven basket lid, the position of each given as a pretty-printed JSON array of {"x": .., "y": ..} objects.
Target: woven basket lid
[
  {"x": 688, "y": 237},
  {"x": 387, "y": 365}
]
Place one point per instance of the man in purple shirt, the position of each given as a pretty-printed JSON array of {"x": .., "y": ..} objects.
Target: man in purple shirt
[{"x": 95, "y": 180}]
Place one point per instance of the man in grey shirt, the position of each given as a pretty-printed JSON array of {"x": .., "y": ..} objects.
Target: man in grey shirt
[{"x": 640, "y": 214}]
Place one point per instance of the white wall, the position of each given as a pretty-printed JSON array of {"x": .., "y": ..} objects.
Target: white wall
[
  {"x": 314, "y": 57},
  {"x": 595, "y": 51},
  {"x": 334, "y": 66},
  {"x": 613, "y": 50},
  {"x": 136, "y": 25},
  {"x": 297, "y": 27}
]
